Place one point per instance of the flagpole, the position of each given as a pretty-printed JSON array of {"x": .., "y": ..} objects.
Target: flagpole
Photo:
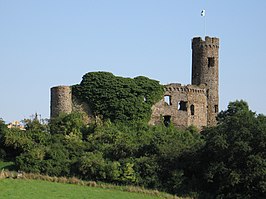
[
  {"x": 203, "y": 14},
  {"x": 204, "y": 26}
]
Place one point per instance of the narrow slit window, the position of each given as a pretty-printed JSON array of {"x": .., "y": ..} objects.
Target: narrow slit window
[
  {"x": 192, "y": 109},
  {"x": 216, "y": 108},
  {"x": 211, "y": 62},
  {"x": 207, "y": 93}
]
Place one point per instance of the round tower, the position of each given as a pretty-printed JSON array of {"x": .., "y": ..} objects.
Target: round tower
[
  {"x": 61, "y": 100},
  {"x": 205, "y": 70}
]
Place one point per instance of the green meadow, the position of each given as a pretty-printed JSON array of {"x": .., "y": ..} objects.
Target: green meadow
[{"x": 28, "y": 189}]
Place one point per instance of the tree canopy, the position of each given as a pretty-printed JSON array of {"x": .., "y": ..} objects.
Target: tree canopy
[
  {"x": 225, "y": 161},
  {"x": 232, "y": 162}
]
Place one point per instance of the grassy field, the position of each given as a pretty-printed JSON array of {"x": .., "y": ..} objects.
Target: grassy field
[
  {"x": 41, "y": 186},
  {"x": 18, "y": 188}
]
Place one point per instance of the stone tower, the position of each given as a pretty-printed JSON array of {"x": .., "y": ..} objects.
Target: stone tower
[
  {"x": 205, "y": 59},
  {"x": 61, "y": 100}
]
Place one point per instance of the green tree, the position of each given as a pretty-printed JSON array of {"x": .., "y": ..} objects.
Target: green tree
[
  {"x": 3, "y": 129},
  {"x": 36, "y": 124},
  {"x": 92, "y": 166},
  {"x": 69, "y": 125},
  {"x": 232, "y": 163}
]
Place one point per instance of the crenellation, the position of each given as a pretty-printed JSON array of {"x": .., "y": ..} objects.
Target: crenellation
[{"x": 209, "y": 42}]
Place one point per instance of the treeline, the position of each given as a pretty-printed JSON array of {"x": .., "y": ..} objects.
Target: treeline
[{"x": 226, "y": 161}]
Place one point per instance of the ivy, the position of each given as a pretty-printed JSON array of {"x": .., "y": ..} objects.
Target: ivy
[{"x": 118, "y": 98}]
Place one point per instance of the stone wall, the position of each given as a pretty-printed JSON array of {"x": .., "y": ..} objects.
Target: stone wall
[
  {"x": 82, "y": 107},
  {"x": 185, "y": 105},
  {"x": 205, "y": 70},
  {"x": 61, "y": 100},
  {"x": 195, "y": 104}
]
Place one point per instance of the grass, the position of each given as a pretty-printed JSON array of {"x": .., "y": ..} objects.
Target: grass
[
  {"x": 29, "y": 185},
  {"x": 28, "y": 189}
]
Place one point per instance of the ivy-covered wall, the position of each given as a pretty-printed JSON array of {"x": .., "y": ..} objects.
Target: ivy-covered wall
[{"x": 118, "y": 98}]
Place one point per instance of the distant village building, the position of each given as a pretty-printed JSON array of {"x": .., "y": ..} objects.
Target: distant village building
[
  {"x": 183, "y": 105},
  {"x": 16, "y": 124}
]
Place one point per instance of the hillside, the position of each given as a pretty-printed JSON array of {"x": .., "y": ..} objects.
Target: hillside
[{"x": 18, "y": 188}]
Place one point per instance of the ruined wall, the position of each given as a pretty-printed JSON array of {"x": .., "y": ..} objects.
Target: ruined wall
[
  {"x": 183, "y": 105},
  {"x": 82, "y": 107},
  {"x": 178, "y": 107},
  {"x": 63, "y": 101},
  {"x": 195, "y": 104}
]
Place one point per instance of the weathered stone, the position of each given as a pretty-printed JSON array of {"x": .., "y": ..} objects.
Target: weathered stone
[
  {"x": 61, "y": 100},
  {"x": 183, "y": 105}
]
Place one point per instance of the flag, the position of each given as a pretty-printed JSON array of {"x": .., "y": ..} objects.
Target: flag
[{"x": 202, "y": 13}]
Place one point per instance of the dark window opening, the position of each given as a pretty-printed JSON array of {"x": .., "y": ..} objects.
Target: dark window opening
[
  {"x": 167, "y": 100},
  {"x": 207, "y": 93},
  {"x": 182, "y": 106},
  {"x": 167, "y": 120},
  {"x": 211, "y": 62},
  {"x": 216, "y": 108},
  {"x": 192, "y": 109}
]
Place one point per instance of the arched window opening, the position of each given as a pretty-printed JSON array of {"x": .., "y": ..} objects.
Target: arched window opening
[
  {"x": 167, "y": 100},
  {"x": 182, "y": 106},
  {"x": 192, "y": 109}
]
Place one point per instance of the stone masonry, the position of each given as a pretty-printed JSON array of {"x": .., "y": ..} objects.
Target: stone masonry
[{"x": 183, "y": 105}]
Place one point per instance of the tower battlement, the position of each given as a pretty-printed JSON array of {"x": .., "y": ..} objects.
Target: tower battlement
[{"x": 211, "y": 42}]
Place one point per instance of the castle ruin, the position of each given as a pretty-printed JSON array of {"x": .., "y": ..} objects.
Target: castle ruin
[{"x": 183, "y": 105}]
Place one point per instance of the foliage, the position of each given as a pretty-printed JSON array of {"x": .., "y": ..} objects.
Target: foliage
[
  {"x": 36, "y": 124},
  {"x": 232, "y": 163},
  {"x": 150, "y": 153},
  {"x": 118, "y": 98},
  {"x": 16, "y": 141},
  {"x": 6, "y": 165},
  {"x": 69, "y": 125},
  {"x": 92, "y": 166},
  {"x": 225, "y": 161},
  {"x": 31, "y": 161},
  {"x": 52, "y": 158}
]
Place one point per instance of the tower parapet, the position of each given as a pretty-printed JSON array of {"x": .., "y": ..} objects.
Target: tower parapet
[{"x": 211, "y": 42}]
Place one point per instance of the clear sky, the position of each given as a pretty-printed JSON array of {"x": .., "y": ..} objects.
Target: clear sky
[{"x": 44, "y": 43}]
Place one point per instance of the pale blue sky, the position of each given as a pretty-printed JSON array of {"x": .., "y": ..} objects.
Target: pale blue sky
[{"x": 44, "y": 43}]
